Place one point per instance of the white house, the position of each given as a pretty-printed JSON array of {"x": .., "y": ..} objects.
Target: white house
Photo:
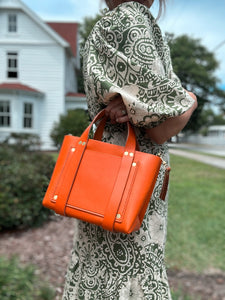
[
  {"x": 217, "y": 131},
  {"x": 38, "y": 71}
]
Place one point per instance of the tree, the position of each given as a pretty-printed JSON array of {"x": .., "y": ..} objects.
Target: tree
[
  {"x": 74, "y": 122},
  {"x": 210, "y": 118},
  {"x": 196, "y": 66}
]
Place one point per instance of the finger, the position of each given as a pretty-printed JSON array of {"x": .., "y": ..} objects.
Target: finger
[
  {"x": 117, "y": 112},
  {"x": 123, "y": 119},
  {"x": 114, "y": 102}
]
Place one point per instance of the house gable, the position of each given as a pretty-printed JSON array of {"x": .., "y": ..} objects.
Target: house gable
[
  {"x": 18, "y": 6},
  {"x": 69, "y": 31}
]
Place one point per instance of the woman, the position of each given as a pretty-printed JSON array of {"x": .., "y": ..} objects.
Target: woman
[{"x": 127, "y": 70}]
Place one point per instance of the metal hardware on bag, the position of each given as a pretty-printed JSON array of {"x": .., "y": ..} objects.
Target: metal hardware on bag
[
  {"x": 82, "y": 143},
  {"x": 118, "y": 216},
  {"x": 127, "y": 153},
  {"x": 163, "y": 161},
  {"x": 55, "y": 197},
  {"x": 134, "y": 164},
  {"x": 73, "y": 149}
]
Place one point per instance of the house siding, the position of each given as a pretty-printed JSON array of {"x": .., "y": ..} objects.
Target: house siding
[
  {"x": 44, "y": 63},
  {"x": 71, "y": 76},
  {"x": 47, "y": 65}
]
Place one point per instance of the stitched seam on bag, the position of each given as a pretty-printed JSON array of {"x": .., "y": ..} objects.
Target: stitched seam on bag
[
  {"x": 74, "y": 178},
  {"x": 60, "y": 175},
  {"x": 134, "y": 174},
  {"x": 85, "y": 210}
]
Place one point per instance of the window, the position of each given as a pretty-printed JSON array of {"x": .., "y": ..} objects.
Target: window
[
  {"x": 28, "y": 115},
  {"x": 12, "y": 65},
  {"x": 4, "y": 114},
  {"x": 12, "y": 23}
]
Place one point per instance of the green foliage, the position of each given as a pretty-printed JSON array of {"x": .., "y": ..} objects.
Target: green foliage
[
  {"x": 23, "y": 141},
  {"x": 196, "y": 216},
  {"x": 20, "y": 283},
  {"x": 180, "y": 295},
  {"x": 193, "y": 63},
  {"x": 209, "y": 118},
  {"x": 87, "y": 26},
  {"x": 74, "y": 122},
  {"x": 24, "y": 177},
  {"x": 196, "y": 67}
]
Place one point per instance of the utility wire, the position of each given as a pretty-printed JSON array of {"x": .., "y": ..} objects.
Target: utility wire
[{"x": 219, "y": 45}]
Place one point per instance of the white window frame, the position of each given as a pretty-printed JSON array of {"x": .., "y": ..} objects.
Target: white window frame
[
  {"x": 28, "y": 115},
  {"x": 12, "y": 23},
  {"x": 5, "y": 113},
  {"x": 12, "y": 65}
]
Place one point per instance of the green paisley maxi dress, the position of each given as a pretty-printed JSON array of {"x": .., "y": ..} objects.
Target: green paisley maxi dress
[{"x": 126, "y": 54}]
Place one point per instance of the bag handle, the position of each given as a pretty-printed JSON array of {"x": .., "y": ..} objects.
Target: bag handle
[
  {"x": 131, "y": 137},
  {"x": 100, "y": 129}
]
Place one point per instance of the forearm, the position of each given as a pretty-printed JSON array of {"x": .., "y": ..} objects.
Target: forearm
[
  {"x": 170, "y": 127},
  {"x": 161, "y": 133}
]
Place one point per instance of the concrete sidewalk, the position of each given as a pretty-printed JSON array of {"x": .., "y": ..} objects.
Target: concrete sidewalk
[
  {"x": 210, "y": 160},
  {"x": 218, "y": 150}
]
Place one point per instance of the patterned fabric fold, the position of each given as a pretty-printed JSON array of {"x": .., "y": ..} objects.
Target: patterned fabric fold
[{"x": 126, "y": 54}]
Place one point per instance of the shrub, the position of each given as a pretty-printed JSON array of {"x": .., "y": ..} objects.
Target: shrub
[
  {"x": 21, "y": 283},
  {"x": 24, "y": 177},
  {"x": 23, "y": 141},
  {"x": 74, "y": 122}
]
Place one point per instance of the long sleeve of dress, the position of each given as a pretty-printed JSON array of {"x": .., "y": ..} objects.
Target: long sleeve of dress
[{"x": 126, "y": 54}]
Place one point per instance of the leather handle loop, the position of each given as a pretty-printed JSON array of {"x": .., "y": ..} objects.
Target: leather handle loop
[
  {"x": 100, "y": 129},
  {"x": 85, "y": 135},
  {"x": 131, "y": 138}
]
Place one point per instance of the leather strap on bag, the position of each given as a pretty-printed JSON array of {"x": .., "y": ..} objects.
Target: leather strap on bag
[
  {"x": 119, "y": 187},
  {"x": 68, "y": 180},
  {"x": 165, "y": 184}
]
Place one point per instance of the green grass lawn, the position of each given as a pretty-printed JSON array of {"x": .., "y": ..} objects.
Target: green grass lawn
[{"x": 196, "y": 223}]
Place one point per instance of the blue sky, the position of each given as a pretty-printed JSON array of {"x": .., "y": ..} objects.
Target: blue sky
[{"x": 202, "y": 19}]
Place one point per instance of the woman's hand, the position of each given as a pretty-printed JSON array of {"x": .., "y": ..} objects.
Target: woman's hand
[{"x": 116, "y": 110}]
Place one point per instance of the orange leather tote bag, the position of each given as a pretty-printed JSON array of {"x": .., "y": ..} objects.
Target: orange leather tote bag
[{"x": 104, "y": 184}]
